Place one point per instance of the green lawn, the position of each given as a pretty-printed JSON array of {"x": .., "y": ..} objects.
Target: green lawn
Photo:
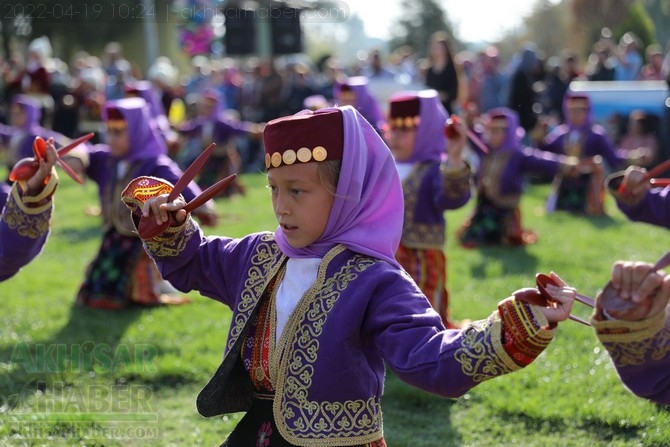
[{"x": 71, "y": 376}]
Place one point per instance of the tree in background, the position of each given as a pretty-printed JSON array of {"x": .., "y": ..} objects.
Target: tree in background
[{"x": 420, "y": 19}]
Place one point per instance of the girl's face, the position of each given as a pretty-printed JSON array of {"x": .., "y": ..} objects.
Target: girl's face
[
  {"x": 300, "y": 201},
  {"x": 577, "y": 115},
  {"x": 18, "y": 116},
  {"x": 401, "y": 142},
  {"x": 117, "y": 139},
  {"x": 495, "y": 132}
]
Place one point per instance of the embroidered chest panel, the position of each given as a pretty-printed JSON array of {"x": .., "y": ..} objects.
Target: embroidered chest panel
[{"x": 298, "y": 416}]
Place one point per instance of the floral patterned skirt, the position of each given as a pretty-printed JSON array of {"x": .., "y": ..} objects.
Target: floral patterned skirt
[
  {"x": 490, "y": 225},
  {"x": 123, "y": 275}
]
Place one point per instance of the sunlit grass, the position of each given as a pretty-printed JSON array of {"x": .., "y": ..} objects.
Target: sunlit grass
[{"x": 156, "y": 360}]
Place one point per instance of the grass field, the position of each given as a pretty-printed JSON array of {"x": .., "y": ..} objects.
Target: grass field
[{"x": 71, "y": 376}]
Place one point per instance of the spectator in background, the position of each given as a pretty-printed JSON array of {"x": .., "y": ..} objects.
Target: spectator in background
[
  {"x": 559, "y": 81},
  {"x": 628, "y": 58},
  {"x": 522, "y": 95},
  {"x": 441, "y": 71},
  {"x": 164, "y": 77},
  {"x": 640, "y": 143},
  {"x": 376, "y": 68},
  {"x": 34, "y": 79},
  {"x": 493, "y": 86},
  {"x": 600, "y": 67},
  {"x": 652, "y": 70}
]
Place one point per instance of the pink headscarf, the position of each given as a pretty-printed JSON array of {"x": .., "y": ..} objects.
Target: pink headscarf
[{"x": 367, "y": 212}]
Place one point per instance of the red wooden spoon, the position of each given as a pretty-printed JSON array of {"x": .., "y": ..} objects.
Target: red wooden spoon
[
  {"x": 147, "y": 227},
  {"x": 543, "y": 281},
  {"x": 27, "y": 167},
  {"x": 649, "y": 176}
]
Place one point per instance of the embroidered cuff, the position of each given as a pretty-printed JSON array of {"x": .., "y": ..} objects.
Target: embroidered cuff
[
  {"x": 456, "y": 181},
  {"x": 39, "y": 203},
  {"x": 525, "y": 332},
  {"x": 621, "y": 331},
  {"x": 634, "y": 343},
  {"x": 173, "y": 240}
]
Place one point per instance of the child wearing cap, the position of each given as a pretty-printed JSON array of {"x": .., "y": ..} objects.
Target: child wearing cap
[
  {"x": 581, "y": 190},
  {"x": 496, "y": 218},
  {"x": 320, "y": 305},
  {"x": 121, "y": 274},
  {"x": 25, "y": 216},
  {"x": 213, "y": 125},
  {"x": 432, "y": 183},
  {"x": 17, "y": 138},
  {"x": 355, "y": 91}
]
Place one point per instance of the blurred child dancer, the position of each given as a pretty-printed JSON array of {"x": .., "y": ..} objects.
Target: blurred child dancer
[
  {"x": 17, "y": 138},
  {"x": 582, "y": 190},
  {"x": 355, "y": 92},
  {"x": 432, "y": 183},
  {"x": 323, "y": 302},
  {"x": 26, "y": 216},
  {"x": 122, "y": 274},
  {"x": 213, "y": 126},
  {"x": 496, "y": 219}
]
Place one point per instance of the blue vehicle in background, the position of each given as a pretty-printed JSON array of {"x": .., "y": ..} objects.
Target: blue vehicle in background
[{"x": 613, "y": 101}]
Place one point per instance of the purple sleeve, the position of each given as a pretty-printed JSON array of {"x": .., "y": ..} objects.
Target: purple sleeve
[
  {"x": 654, "y": 208},
  {"x": 23, "y": 232},
  {"x": 449, "y": 189},
  {"x": 540, "y": 162},
  {"x": 415, "y": 345},
  {"x": 639, "y": 353},
  {"x": 213, "y": 266}
]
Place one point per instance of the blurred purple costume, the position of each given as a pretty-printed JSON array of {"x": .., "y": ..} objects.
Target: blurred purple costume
[
  {"x": 24, "y": 226},
  {"x": 500, "y": 181},
  {"x": 640, "y": 350},
  {"x": 583, "y": 193},
  {"x": 120, "y": 275},
  {"x": 362, "y": 312},
  {"x": 652, "y": 208},
  {"x": 19, "y": 141},
  {"x": 430, "y": 188},
  {"x": 640, "y": 353},
  {"x": 364, "y": 102}
]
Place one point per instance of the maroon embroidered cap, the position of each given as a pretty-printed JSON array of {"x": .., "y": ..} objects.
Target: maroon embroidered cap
[
  {"x": 304, "y": 137},
  {"x": 404, "y": 112}
]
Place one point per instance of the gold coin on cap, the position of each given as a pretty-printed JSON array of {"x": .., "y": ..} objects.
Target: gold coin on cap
[
  {"x": 304, "y": 154},
  {"x": 319, "y": 153},
  {"x": 267, "y": 161},
  {"x": 276, "y": 159},
  {"x": 289, "y": 156},
  {"x": 408, "y": 121}
]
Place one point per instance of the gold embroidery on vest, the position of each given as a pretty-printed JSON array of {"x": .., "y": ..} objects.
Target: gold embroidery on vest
[
  {"x": 294, "y": 367},
  {"x": 491, "y": 179},
  {"x": 265, "y": 263}
]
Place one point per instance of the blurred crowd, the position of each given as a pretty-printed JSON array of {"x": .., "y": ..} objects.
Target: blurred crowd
[{"x": 253, "y": 90}]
